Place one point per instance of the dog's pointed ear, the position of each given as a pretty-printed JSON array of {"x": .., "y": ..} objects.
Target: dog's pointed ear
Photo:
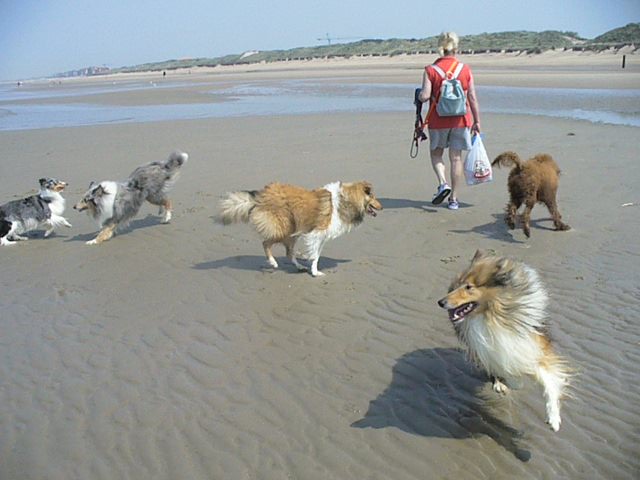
[
  {"x": 478, "y": 255},
  {"x": 367, "y": 187},
  {"x": 99, "y": 191},
  {"x": 42, "y": 182},
  {"x": 91, "y": 183},
  {"x": 504, "y": 273}
]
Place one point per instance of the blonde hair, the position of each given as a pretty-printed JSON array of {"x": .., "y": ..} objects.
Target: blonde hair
[{"x": 448, "y": 43}]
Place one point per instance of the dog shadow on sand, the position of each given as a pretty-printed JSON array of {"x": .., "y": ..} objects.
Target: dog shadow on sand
[
  {"x": 148, "y": 221},
  {"x": 258, "y": 263},
  {"x": 437, "y": 393},
  {"x": 498, "y": 230}
]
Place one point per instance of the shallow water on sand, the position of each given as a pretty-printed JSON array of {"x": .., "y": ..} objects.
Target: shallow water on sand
[{"x": 618, "y": 107}]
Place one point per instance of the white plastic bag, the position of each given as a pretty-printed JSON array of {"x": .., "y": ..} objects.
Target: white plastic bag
[{"x": 477, "y": 167}]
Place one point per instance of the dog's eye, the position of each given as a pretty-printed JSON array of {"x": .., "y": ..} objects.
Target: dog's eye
[{"x": 468, "y": 286}]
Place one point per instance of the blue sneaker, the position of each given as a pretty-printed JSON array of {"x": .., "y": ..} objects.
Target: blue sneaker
[
  {"x": 453, "y": 204},
  {"x": 443, "y": 192}
]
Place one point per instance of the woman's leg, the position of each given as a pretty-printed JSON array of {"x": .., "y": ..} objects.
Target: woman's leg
[
  {"x": 455, "y": 156},
  {"x": 438, "y": 164}
]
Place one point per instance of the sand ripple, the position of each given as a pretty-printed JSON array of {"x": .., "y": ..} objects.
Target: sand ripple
[{"x": 171, "y": 352}]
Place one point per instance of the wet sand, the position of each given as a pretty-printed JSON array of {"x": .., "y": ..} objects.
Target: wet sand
[{"x": 172, "y": 352}]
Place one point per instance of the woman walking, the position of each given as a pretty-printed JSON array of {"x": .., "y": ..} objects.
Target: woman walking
[{"x": 449, "y": 128}]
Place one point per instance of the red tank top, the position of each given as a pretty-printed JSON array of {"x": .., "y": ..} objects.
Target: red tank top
[{"x": 436, "y": 121}]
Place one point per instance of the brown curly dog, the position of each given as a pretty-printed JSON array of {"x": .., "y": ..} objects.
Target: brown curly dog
[{"x": 535, "y": 180}]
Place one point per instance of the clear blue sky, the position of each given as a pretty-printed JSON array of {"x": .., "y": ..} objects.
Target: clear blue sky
[{"x": 42, "y": 37}]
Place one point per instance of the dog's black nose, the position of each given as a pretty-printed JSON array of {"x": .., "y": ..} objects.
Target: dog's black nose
[{"x": 442, "y": 302}]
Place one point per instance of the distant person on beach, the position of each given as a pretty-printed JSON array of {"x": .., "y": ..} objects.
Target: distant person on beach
[{"x": 449, "y": 128}]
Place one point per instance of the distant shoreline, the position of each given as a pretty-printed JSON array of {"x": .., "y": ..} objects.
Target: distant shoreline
[{"x": 562, "y": 69}]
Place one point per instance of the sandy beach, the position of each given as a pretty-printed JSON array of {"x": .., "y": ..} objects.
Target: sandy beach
[{"x": 172, "y": 352}]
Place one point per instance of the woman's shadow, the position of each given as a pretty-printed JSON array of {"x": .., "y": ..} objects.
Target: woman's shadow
[
  {"x": 391, "y": 203},
  {"x": 438, "y": 393}
]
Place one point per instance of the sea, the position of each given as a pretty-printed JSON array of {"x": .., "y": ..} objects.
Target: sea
[{"x": 52, "y": 107}]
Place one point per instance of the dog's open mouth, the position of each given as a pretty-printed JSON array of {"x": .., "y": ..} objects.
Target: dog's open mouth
[
  {"x": 371, "y": 210},
  {"x": 456, "y": 315}
]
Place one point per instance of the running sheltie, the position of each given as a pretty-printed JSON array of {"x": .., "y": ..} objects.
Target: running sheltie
[
  {"x": 498, "y": 310},
  {"x": 535, "y": 180},
  {"x": 44, "y": 209},
  {"x": 114, "y": 204},
  {"x": 283, "y": 213}
]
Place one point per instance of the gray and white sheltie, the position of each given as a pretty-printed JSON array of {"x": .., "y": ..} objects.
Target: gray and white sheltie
[
  {"x": 114, "y": 204},
  {"x": 44, "y": 209},
  {"x": 498, "y": 309}
]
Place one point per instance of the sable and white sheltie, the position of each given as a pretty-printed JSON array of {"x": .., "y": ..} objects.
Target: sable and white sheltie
[
  {"x": 114, "y": 204},
  {"x": 498, "y": 310},
  {"x": 44, "y": 209},
  {"x": 283, "y": 213}
]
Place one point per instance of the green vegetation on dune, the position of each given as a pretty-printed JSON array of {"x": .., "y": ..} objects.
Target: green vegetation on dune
[
  {"x": 629, "y": 34},
  {"x": 518, "y": 41}
]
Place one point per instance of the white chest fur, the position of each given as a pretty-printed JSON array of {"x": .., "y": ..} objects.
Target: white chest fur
[
  {"x": 500, "y": 351},
  {"x": 336, "y": 227},
  {"x": 56, "y": 202}
]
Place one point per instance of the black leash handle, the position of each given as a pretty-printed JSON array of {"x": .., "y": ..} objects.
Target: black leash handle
[{"x": 418, "y": 129}]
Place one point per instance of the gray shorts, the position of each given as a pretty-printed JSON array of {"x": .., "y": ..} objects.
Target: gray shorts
[{"x": 456, "y": 138}]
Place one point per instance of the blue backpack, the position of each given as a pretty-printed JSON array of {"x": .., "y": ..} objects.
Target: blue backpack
[{"x": 453, "y": 100}]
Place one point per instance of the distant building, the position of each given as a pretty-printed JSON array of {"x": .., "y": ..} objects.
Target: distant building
[{"x": 84, "y": 72}]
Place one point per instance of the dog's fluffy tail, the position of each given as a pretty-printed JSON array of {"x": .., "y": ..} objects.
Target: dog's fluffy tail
[
  {"x": 176, "y": 160},
  {"x": 235, "y": 207},
  {"x": 507, "y": 159}
]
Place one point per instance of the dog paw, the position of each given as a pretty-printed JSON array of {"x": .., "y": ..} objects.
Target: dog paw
[
  {"x": 299, "y": 266},
  {"x": 92, "y": 242},
  {"x": 317, "y": 273},
  {"x": 554, "y": 422},
  {"x": 166, "y": 218},
  {"x": 500, "y": 387},
  {"x": 272, "y": 262}
]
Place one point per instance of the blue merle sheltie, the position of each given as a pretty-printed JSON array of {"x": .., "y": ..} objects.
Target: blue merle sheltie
[{"x": 42, "y": 210}]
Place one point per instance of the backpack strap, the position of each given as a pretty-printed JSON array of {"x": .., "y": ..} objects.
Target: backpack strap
[
  {"x": 457, "y": 71},
  {"x": 439, "y": 70},
  {"x": 454, "y": 69}
]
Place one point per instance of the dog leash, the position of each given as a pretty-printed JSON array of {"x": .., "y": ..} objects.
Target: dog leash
[{"x": 418, "y": 128}]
